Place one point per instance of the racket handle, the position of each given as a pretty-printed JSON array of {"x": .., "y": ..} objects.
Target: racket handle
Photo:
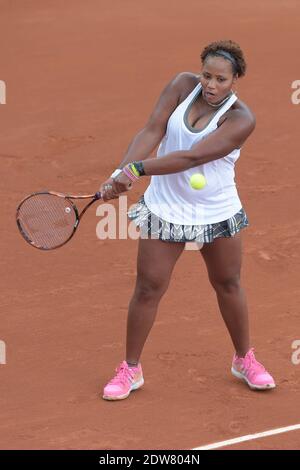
[{"x": 98, "y": 194}]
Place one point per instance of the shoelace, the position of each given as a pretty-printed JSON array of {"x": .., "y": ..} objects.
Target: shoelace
[
  {"x": 123, "y": 375},
  {"x": 250, "y": 360}
]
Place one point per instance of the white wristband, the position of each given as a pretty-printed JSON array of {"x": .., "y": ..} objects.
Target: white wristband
[{"x": 116, "y": 173}]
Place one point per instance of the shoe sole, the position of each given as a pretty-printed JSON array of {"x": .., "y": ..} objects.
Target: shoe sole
[
  {"x": 137, "y": 385},
  {"x": 252, "y": 386}
]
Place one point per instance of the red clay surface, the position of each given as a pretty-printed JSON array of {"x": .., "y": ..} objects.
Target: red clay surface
[{"x": 82, "y": 78}]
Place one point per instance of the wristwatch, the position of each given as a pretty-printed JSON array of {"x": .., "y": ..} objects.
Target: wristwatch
[{"x": 116, "y": 173}]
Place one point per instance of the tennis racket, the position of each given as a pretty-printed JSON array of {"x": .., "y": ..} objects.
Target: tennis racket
[{"x": 48, "y": 220}]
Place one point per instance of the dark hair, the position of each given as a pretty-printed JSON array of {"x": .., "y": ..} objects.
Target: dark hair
[{"x": 231, "y": 51}]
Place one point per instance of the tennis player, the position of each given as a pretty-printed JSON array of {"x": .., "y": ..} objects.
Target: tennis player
[{"x": 200, "y": 126}]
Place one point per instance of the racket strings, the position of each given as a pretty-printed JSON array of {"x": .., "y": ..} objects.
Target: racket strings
[{"x": 46, "y": 220}]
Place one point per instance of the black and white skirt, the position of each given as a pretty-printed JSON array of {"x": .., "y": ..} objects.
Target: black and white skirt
[{"x": 152, "y": 226}]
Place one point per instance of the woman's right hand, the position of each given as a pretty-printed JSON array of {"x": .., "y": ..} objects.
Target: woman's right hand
[
  {"x": 108, "y": 190},
  {"x": 111, "y": 189}
]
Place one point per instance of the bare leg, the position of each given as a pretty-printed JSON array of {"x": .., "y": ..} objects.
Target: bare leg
[
  {"x": 223, "y": 259},
  {"x": 155, "y": 262}
]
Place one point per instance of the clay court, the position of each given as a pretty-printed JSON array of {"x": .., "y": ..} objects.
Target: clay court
[{"x": 81, "y": 79}]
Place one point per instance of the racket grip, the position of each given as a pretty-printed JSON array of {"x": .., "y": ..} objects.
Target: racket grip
[{"x": 98, "y": 194}]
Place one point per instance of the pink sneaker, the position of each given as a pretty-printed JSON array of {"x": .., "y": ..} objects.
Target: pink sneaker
[
  {"x": 126, "y": 380},
  {"x": 251, "y": 371}
]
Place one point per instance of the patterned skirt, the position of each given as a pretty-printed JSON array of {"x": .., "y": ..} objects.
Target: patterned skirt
[{"x": 152, "y": 226}]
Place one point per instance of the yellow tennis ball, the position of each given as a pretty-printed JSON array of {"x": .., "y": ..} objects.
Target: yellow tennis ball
[{"x": 197, "y": 181}]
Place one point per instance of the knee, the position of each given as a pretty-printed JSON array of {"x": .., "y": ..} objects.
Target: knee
[
  {"x": 150, "y": 288},
  {"x": 227, "y": 284}
]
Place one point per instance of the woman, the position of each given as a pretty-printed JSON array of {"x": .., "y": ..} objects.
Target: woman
[{"x": 201, "y": 126}]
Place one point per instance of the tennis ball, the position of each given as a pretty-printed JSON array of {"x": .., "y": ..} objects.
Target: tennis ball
[{"x": 197, "y": 181}]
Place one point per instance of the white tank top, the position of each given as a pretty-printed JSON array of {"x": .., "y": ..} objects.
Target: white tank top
[{"x": 171, "y": 196}]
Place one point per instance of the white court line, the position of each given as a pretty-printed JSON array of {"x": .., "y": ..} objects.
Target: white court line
[{"x": 249, "y": 437}]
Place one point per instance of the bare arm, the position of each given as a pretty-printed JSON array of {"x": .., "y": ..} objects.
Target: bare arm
[
  {"x": 141, "y": 146},
  {"x": 231, "y": 134},
  {"x": 150, "y": 136}
]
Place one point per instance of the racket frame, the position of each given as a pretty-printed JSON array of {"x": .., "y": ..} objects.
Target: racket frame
[{"x": 94, "y": 197}]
